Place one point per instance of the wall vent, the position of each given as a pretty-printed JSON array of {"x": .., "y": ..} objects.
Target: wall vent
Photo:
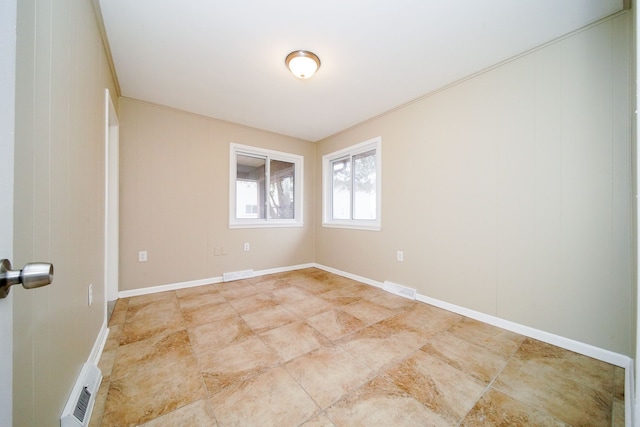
[
  {"x": 400, "y": 290},
  {"x": 237, "y": 275},
  {"x": 77, "y": 411}
]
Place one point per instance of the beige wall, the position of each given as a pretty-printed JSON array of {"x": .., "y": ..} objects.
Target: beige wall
[
  {"x": 174, "y": 180},
  {"x": 509, "y": 193},
  {"x": 61, "y": 76}
]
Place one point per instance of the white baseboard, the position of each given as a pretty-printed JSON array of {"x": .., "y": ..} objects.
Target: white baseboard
[
  {"x": 283, "y": 269},
  {"x": 200, "y": 282},
  {"x": 168, "y": 287},
  {"x": 98, "y": 345},
  {"x": 350, "y": 276}
]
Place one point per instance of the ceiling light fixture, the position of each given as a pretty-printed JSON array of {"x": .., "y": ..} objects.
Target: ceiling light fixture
[{"x": 302, "y": 63}]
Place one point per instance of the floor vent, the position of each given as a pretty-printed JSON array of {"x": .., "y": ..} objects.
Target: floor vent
[
  {"x": 400, "y": 290},
  {"x": 237, "y": 275},
  {"x": 77, "y": 411}
]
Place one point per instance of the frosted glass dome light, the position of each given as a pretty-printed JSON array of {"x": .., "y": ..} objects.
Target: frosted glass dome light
[{"x": 303, "y": 64}]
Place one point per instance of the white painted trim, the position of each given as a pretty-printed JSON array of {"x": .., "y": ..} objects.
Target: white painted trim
[
  {"x": 111, "y": 201},
  {"x": 98, "y": 345},
  {"x": 169, "y": 287},
  {"x": 283, "y": 269},
  {"x": 267, "y": 222},
  {"x": 350, "y": 276},
  {"x": 327, "y": 183},
  {"x": 566, "y": 343},
  {"x": 629, "y": 392},
  {"x": 200, "y": 282}
]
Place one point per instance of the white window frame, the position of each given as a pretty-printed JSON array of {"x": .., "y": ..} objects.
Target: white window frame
[
  {"x": 327, "y": 186},
  {"x": 297, "y": 160}
]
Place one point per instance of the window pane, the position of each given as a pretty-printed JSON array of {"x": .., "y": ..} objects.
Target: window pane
[
  {"x": 281, "y": 189},
  {"x": 250, "y": 187},
  {"x": 341, "y": 188},
  {"x": 364, "y": 185}
]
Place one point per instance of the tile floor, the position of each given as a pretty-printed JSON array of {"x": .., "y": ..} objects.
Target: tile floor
[{"x": 309, "y": 348}]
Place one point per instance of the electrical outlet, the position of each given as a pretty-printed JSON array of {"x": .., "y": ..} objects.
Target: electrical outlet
[
  {"x": 90, "y": 294},
  {"x": 142, "y": 256},
  {"x": 400, "y": 256},
  {"x": 247, "y": 247}
]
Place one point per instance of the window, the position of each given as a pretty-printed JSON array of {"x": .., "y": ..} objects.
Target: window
[
  {"x": 351, "y": 186},
  {"x": 265, "y": 188}
]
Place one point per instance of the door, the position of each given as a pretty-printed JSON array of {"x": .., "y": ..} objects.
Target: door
[{"x": 7, "y": 125}]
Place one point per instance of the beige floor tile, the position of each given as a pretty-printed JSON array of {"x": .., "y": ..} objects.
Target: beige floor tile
[
  {"x": 148, "y": 317},
  {"x": 270, "y": 399},
  {"x": 491, "y": 337},
  {"x": 197, "y": 290},
  {"x": 308, "y": 307},
  {"x": 381, "y": 403},
  {"x": 443, "y": 389},
  {"x": 184, "y": 357},
  {"x": 219, "y": 334},
  {"x": 585, "y": 370},
  {"x": 328, "y": 374},
  {"x": 270, "y": 284},
  {"x": 237, "y": 289},
  {"x": 335, "y": 324},
  {"x": 119, "y": 312},
  {"x": 339, "y": 297},
  {"x": 393, "y": 302},
  {"x": 269, "y": 318},
  {"x": 196, "y": 414},
  {"x": 311, "y": 285},
  {"x": 319, "y": 420},
  {"x": 148, "y": 393},
  {"x": 235, "y": 363},
  {"x": 565, "y": 399},
  {"x": 363, "y": 291},
  {"x": 498, "y": 409},
  {"x": 425, "y": 318},
  {"x": 193, "y": 301},
  {"x": 290, "y": 295},
  {"x": 254, "y": 303},
  {"x": 199, "y": 315},
  {"x": 293, "y": 340},
  {"x": 368, "y": 311},
  {"x": 99, "y": 404},
  {"x": 378, "y": 346},
  {"x": 475, "y": 360},
  {"x": 160, "y": 349},
  {"x": 106, "y": 362},
  {"x": 113, "y": 340},
  {"x": 149, "y": 298}
]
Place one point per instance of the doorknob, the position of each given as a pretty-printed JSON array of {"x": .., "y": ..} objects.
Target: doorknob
[{"x": 33, "y": 275}]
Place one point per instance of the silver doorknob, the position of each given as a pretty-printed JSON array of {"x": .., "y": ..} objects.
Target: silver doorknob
[{"x": 33, "y": 275}]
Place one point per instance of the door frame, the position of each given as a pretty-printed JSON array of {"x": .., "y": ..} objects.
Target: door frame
[{"x": 112, "y": 196}]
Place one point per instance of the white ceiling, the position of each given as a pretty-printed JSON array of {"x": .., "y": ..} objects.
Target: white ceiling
[{"x": 225, "y": 58}]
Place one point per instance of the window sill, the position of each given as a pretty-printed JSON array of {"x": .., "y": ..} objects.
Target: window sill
[
  {"x": 353, "y": 225},
  {"x": 289, "y": 224}
]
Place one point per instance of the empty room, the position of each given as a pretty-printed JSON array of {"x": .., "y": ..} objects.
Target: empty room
[{"x": 337, "y": 213}]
